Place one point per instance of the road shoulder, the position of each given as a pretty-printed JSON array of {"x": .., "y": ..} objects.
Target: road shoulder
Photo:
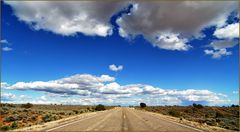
[
  {"x": 52, "y": 124},
  {"x": 185, "y": 122}
]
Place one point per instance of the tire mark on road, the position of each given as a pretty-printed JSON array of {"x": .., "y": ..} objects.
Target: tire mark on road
[
  {"x": 94, "y": 127},
  {"x": 124, "y": 121},
  {"x": 145, "y": 122},
  {"x": 139, "y": 123}
]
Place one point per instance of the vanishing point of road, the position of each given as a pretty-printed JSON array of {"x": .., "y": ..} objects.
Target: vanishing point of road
[{"x": 124, "y": 119}]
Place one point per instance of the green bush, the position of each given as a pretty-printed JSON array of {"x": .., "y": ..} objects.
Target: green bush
[
  {"x": 47, "y": 118},
  {"x": 5, "y": 128},
  {"x": 100, "y": 107},
  {"x": 14, "y": 125},
  {"x": 234, "y": 105},
  {"x": 199, "y": 106},
  {"x": 143, "y": 105}
]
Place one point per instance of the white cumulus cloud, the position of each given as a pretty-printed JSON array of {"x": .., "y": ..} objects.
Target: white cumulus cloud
[
  {"x": 228, "y": 32},
  {"x": 100, "y": 89},
  {"x": 80, "y": 84},
  {"x": 226, "y": 39},
  {"x": 7, "y": 96},
  {"x": 223, "y": 44},
  {"x": 166, "y": 25},
  {"x": 217, "y": 53},
  {"x": 171, "y": 41},
  {"x": 115, "y": 68},
  {"x": 183, "y": 19},
  {"x": 4, "y": 41},
  {"x": 67, "y": 18},
  {"x": 4, "y": 84},
  {"x": 7, "y": 49}
]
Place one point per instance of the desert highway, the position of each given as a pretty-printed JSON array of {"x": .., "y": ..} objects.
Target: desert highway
[{"x": 123, "y": 119}]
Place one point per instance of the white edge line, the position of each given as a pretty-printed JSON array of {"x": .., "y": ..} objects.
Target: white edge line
[
  {"x": 70, "y": 123},
  {"x": 75, "y": 121},
  {"x": 182, "y": 124}
]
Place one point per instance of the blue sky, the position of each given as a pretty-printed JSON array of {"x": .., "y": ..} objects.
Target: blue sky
[{"x": 45, "y": 54}]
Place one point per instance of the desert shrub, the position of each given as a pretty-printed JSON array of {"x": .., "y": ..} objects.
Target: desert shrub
[
  {"x": 55, "y": 117},
  {"x": 33, "y": 117},
  {"x": 24, "y": 120},
  {"x": 234, "y": 105},
  {"x": 5, "y": 128},
  {"x": 11, "y": 105},
  {"x": 236, "y": 129},
  {"x": 233, "y": 122},
  {"x": 25, "y": 110},
  {"x": 14, "y": 125},
  {"x": 7, "y": 105},
  {"x": 27, "y": 105},
  {"x": 206, "y": 116},
  {"x": 23, "y": 116},
  {"x": 11, "y": 118},
  {"x": 143, "y": 105},
  {"x": 174, "y": 113},
  {"x": 70, "y": 113},
  {"x": 199, "y": 106},
  {"x": 210, "y": 122},
  {"x": 100, "y": 107},
  {"x": 218, "y": 120},
  {"x": 4, "y": 110},
  {"x": 226, "y": 127},
  {"x": 60, "y": 117},
  {"x": 194, "y": 105},
  {"x": 219, "y": 114},
  {"x": 47, "y": 118},
  {"x": 81, "y": 111},
  {"x": 201, "y": 120},
  {"x": 76, "y": 111},
  {"x": 62, "y": 113}
]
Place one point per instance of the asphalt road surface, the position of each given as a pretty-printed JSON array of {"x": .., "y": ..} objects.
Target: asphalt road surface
[{"x": 124, "y": 119}]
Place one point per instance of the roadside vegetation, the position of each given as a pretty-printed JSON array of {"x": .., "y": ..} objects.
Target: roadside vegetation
[
  {"x": 100, "y": 107},
  {"x": 22, "y": 115},
  {"x": 143, "y": 105},
  {"x": 225, "y": 117}
]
